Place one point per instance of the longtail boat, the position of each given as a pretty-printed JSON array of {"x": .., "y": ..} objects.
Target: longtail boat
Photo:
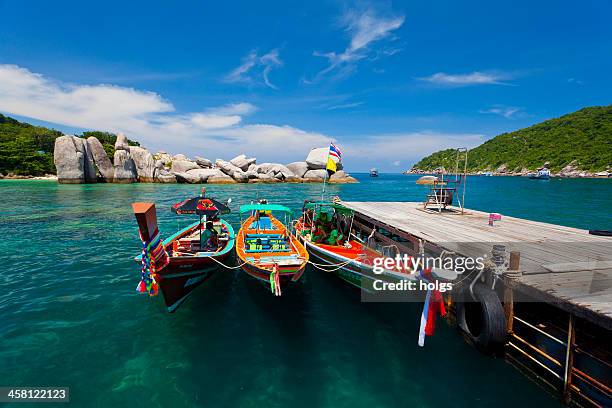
[
  {"x": 180, "y": 263},
  {"x": 267, "y": 250},
  {"x": 325, "y": 228}
]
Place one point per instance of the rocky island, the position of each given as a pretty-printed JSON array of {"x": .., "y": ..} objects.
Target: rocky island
[{"x": 84, "y": 160}]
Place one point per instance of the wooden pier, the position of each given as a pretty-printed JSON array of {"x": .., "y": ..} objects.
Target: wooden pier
[{"x": 558, "y": 304}]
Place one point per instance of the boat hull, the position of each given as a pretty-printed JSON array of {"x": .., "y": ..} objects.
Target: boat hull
[
  {"x": 290, "y": 263},
  {"x": 286, "y": 276},
  {"x": 179, "y": 279},
  {"x": 183, "y": 274},
  {"x": 354, "y": 272},
  {"x": 354, "y": 265}
]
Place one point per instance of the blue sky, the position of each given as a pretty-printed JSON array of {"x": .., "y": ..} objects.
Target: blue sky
[{"x": 388, "y": 81}]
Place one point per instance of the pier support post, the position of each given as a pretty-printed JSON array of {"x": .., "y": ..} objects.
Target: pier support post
[
  {"x": 513, "y": 265},
  {"x": 569, "y": 360}
]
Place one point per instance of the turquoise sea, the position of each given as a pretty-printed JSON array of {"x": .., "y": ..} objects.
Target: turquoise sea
[{"x": 70, "y": 316}]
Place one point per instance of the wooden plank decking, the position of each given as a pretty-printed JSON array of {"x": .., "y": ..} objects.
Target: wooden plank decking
[{"x": 560, "y": 264}]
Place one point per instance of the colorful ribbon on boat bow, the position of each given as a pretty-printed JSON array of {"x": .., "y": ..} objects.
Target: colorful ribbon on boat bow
[
  {"x": 154, "y": 258},
  {"x": 275, "y": 281}
]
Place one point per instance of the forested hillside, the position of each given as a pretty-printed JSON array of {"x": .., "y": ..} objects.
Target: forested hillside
[{"x": 584, "y": 136}]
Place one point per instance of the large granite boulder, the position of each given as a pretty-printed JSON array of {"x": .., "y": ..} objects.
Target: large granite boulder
[
  {"x": 319, "y": 174},
  {"x": 186, "y": 178},
  {"x": 122, "y": 142},
  {"x": 251, "y": 174},
  {"x": 265, "y": 178},
  {"x": 281, "y": 169},
  {"x": 273, "y": 169},
  {"x": 240, "y": 176},
  {"x": 205, "y": 174},
  {"x": 196, "y": 175},
  {"x": 164, "y": 176},
  {"x": 90, "y": 173},
  {"x": 203, "y": 163},
  {"x": 227, "y": 167},
  {"x": 163, "y": 157},
  {"x": 342, "y": 177},
  {"x": 69, "y": 162},
  {"x": 221, "y": 179},
  {"x": 298, "y": 168},
  {"x": 243, "y": 162},
  {"x": 263, "y": 168},
  {"x": 179, "y": 157},
  {"x": 181, "y": 166},
  {"x": 145, "y": 164},
  {"x": 338, "y": 175},
  {"x": 125, "y": 169},
  {"x": 100, "y": 159},
  {"x": 317, "y": 159}
]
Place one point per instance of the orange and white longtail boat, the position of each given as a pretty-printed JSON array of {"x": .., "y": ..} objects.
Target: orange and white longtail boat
[{"x": 266, "y": 248}]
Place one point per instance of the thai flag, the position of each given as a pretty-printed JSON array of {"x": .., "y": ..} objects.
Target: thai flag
[{"x": 334, "y": 151}]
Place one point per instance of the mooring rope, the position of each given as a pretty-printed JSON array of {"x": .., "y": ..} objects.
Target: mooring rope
[
  {"x": 229, "y": 267},
  {"x": 334, "y": 266}
]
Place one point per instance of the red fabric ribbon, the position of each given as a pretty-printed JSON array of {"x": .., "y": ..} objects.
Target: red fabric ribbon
[{"x": 436, "y": 307}]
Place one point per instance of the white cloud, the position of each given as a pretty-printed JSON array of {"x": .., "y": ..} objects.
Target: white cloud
[
  {"x": 473, "y": 78},
  {"x": 365, "y": 27},
  {"x": 241, "y": 108},
  {"x": 212, "y": 121},
  {"x": 345, "y": 106},
  {"x": 254, "y": 67},
  {"x": 505, "y": 111},
  {"x": 148, "y": 118},
  {"x": 406, "y": 147},
  {"x": 396, "y": 163}
]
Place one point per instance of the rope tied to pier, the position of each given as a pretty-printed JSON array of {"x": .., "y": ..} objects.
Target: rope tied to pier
[
  {"x": 153, "y": 259},
  {"x": 335, "y": 267}
]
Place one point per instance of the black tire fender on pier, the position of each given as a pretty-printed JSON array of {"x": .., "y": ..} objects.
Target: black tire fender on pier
[
  {"x": 482, "y": 319},
  {"x": 601, "y": 233}
]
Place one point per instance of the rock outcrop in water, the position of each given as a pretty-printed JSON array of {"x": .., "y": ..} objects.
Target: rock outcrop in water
[
  {"x": 85, "y": 161},
  {"x": 125, "y": 168},
  {"x": 74, "y": 161},
  {"x": 145, "y": 165},
  {"x": 69, "y": 161},
  {"x": 101, "y": 160}
]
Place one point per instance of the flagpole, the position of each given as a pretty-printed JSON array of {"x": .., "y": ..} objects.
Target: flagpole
[{"x": 326, "y": 173}]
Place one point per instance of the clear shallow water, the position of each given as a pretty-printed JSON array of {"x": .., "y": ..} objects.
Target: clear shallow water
[{"x": 69, "y": 315}]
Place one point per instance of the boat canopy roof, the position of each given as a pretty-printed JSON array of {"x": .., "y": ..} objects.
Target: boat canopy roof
[
  {"x": 311, "y": 205},
  {"x": 263, "y": 207}
]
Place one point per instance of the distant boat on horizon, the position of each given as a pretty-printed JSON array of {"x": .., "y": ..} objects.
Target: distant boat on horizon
[
  {"x": 542, "y": 174},
  {"x": 374, "y": 172}
]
